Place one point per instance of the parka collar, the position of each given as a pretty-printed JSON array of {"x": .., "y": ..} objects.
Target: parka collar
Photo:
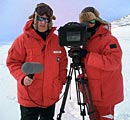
[
  {"x": 28, "y": 29},
  {"x": 102, "y": 30}
]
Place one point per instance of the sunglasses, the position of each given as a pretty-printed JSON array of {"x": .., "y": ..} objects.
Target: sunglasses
[
  {"x": 39, "y": 18},
  {"x": 92, "y": 21}
]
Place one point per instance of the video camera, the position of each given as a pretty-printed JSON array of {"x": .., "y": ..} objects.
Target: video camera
[{"x": 73, "y": 34}]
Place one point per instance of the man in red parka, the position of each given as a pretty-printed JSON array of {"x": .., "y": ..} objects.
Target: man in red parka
[
  {"x": 103, "y": 65},
  {"x": 38, "y": 43}
]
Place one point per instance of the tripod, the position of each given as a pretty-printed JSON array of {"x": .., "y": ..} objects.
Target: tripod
[{"x": 87, "y": 98}]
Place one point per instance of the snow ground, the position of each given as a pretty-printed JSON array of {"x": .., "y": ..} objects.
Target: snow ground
[{"x": 9, "y": 108}]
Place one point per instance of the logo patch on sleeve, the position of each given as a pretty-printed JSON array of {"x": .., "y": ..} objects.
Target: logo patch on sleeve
[{"x": 113, "y": 46}]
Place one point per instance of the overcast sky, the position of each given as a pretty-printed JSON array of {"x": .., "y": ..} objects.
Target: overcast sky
[{"x": 14, "y": 13}]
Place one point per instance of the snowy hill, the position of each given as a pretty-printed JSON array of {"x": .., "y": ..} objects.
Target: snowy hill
[
  {"x": 9, "y": 108},
  {"x": 124, "y": 21}
]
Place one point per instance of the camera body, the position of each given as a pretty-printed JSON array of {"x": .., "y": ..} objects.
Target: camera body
[{"x": 73, "y": 34}]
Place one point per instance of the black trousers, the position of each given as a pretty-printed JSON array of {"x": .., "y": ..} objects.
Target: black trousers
[{"x": 36, "y": 113}]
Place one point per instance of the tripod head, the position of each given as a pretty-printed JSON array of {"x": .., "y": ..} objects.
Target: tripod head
[{"x": 75, "y": 54}]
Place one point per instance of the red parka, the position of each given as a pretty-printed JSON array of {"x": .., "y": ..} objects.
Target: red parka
[
  {"x": 104, "y": 68},
  {"x": 47, "y": 85}
]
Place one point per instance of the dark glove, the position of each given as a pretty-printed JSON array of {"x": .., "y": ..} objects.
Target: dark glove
[
  {"x": 78, "y": 53},
  {"x": 83, "y": 53}
]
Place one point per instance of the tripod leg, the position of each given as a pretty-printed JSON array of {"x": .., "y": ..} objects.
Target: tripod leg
[
  {"x": 65, "y": 94},
  {"x": 81, "y": 105},
  {"x": 88, "y": 100}
]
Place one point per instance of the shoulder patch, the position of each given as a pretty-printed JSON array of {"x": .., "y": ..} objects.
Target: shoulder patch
[{"x": 113, "y": 46}]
